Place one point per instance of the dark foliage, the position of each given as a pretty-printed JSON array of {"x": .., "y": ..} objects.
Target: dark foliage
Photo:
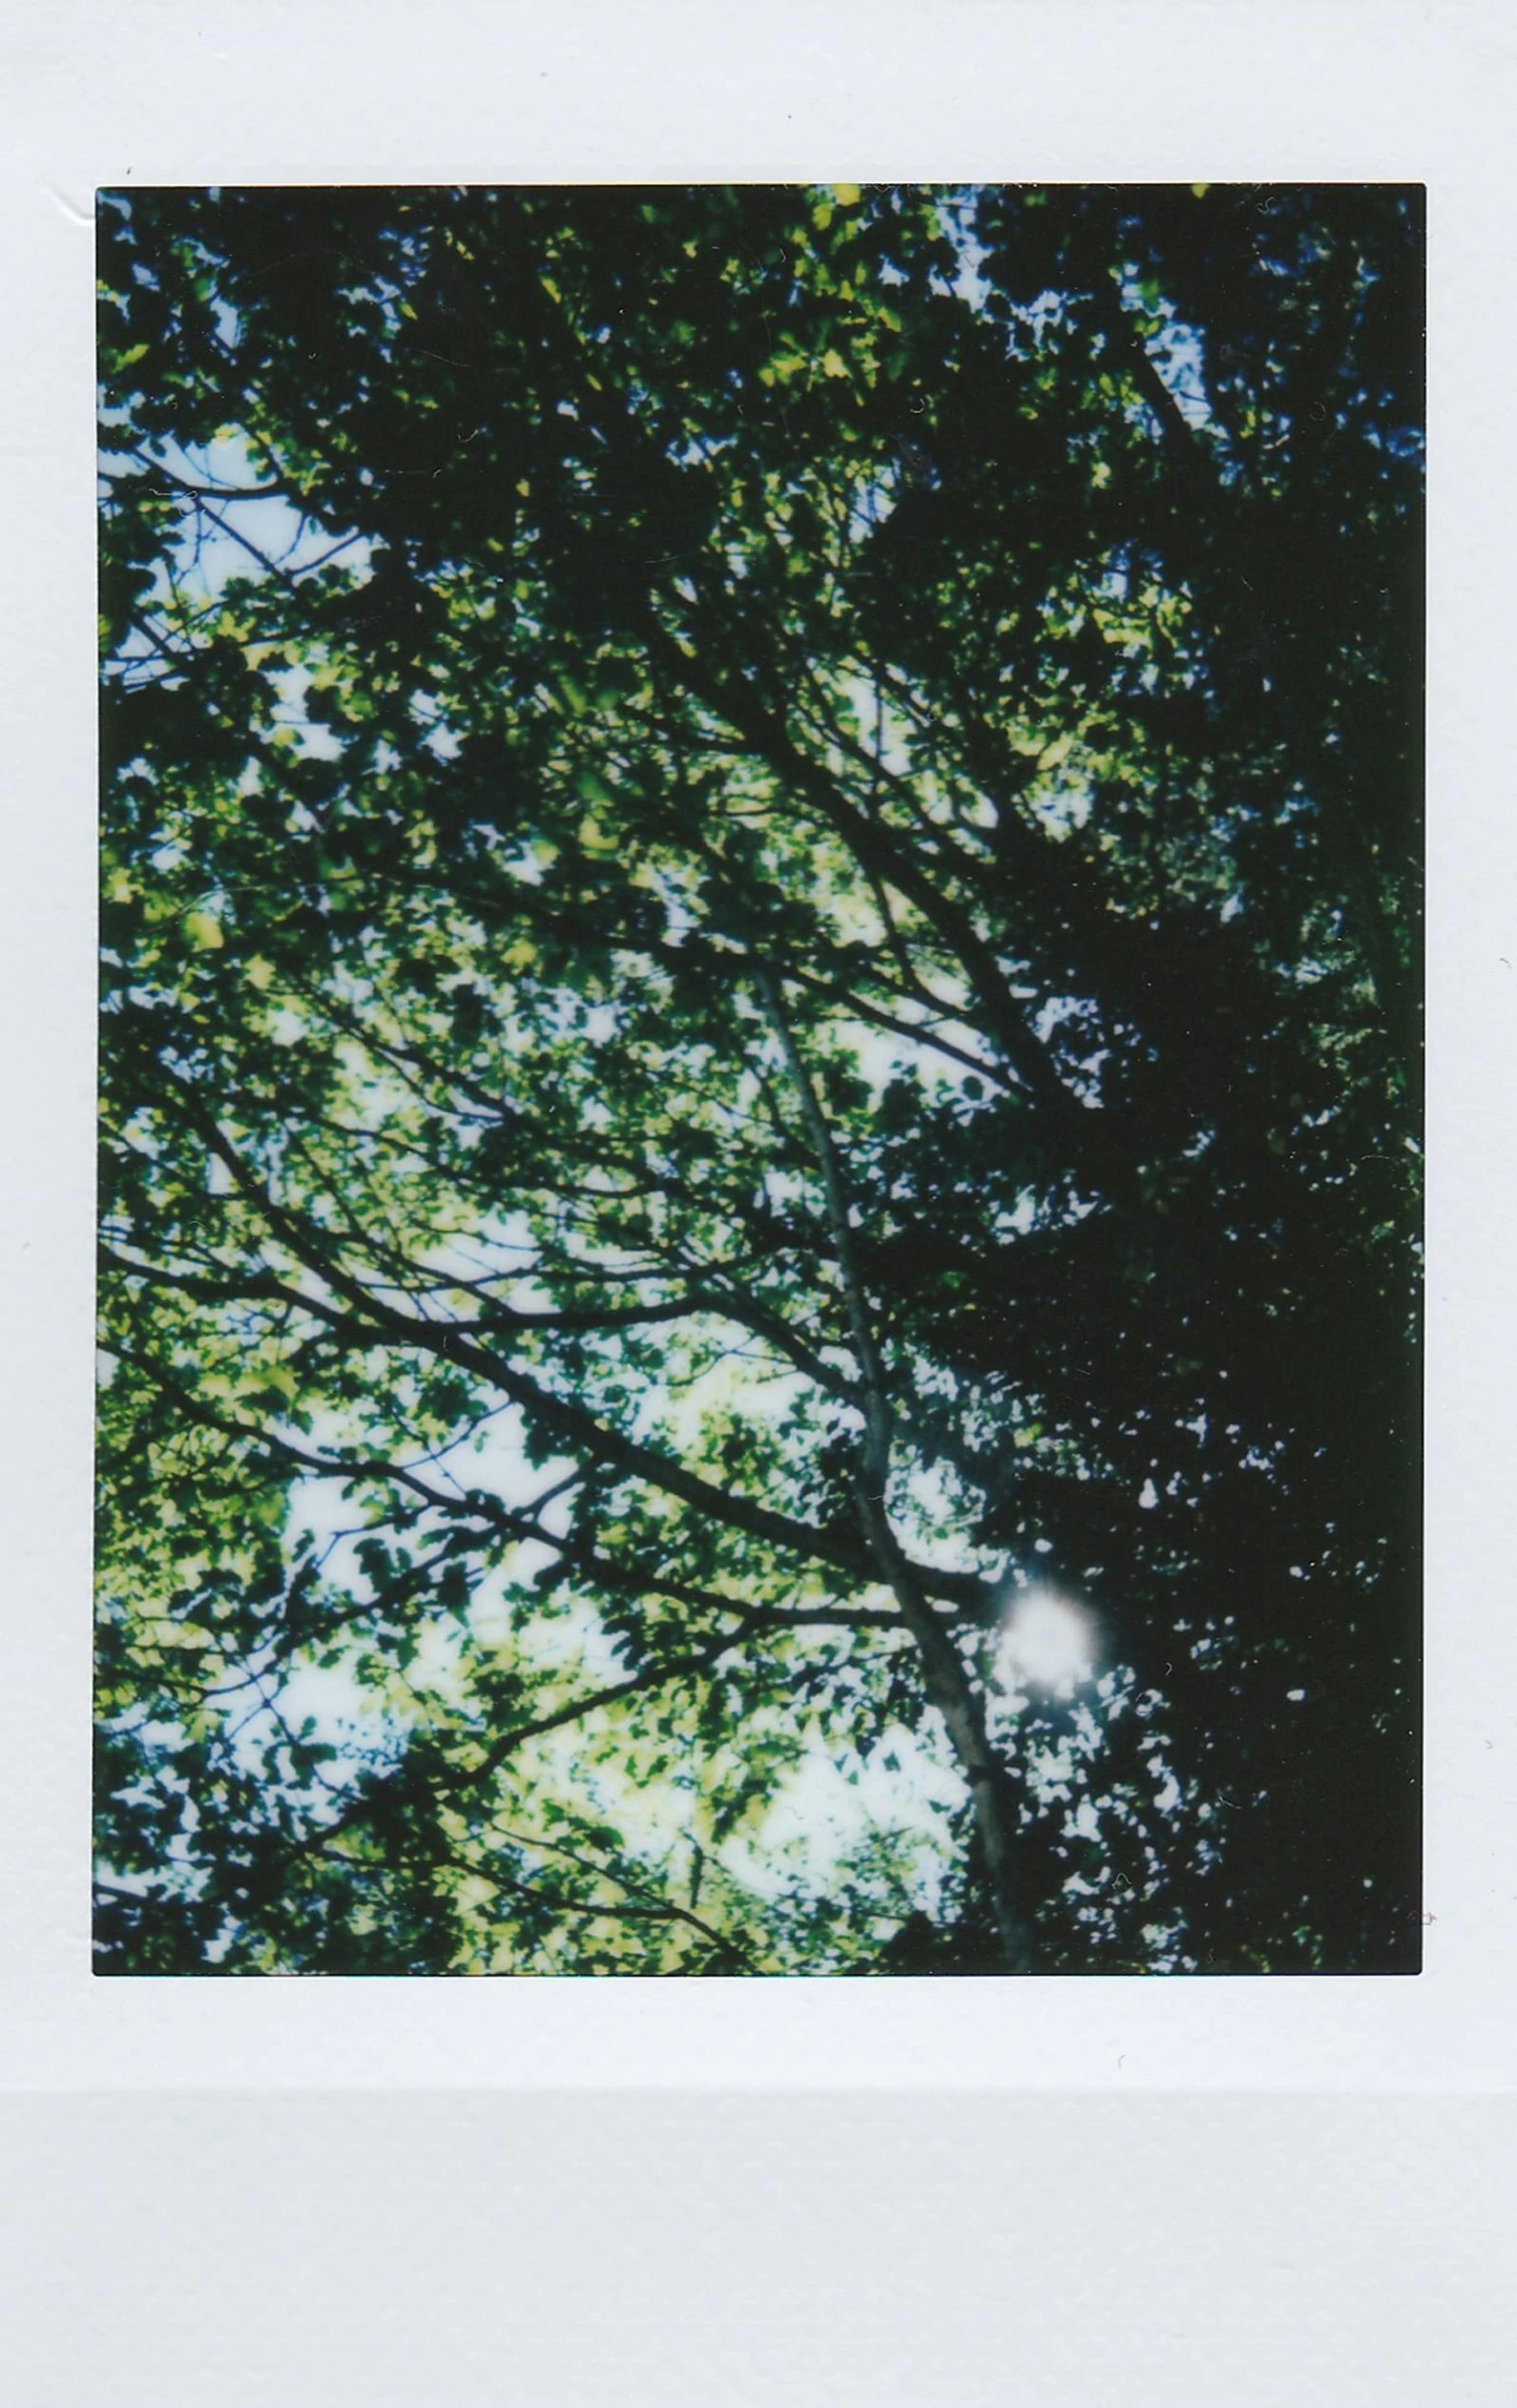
[{"x": 761, "y": 1013}]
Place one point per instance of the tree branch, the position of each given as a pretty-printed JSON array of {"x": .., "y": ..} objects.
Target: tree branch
[{"x": 948, "y": 1681}]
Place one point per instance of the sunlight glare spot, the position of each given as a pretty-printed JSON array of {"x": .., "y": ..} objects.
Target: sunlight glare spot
[{"x": 1048, "y": 1643}]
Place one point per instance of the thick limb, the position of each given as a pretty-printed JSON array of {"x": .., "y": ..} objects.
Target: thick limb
[{"x": 947, "y": 1680}]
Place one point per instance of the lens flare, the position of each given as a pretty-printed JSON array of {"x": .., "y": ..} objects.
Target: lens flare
[{"x": 1047, "y": 1644}]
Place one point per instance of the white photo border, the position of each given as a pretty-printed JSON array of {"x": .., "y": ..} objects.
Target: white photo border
[{"x": 1124, "y": 91}]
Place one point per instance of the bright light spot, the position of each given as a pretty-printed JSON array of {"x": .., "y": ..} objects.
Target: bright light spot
[{"x": 1047, "y": 1644}]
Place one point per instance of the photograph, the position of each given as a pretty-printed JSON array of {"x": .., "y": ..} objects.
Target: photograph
[{"x": 761, "y": 875}]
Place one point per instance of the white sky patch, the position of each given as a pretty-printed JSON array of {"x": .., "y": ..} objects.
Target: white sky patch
[
  {"x": 969, "y": 282},
  {"x": 880, "y": 1057},
  {"x": 824, "y": 1812},
  {"x": 881, "y": 729},
  {"x": 493, "y": 1456},
  {"x": 936, "y": 1521}
]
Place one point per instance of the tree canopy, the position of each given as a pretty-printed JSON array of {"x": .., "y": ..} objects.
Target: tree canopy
[{"x": 760, "y": 1114}]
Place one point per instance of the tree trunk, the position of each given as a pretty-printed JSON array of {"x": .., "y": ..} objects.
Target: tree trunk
[{"x": 948, "y": 1683}]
